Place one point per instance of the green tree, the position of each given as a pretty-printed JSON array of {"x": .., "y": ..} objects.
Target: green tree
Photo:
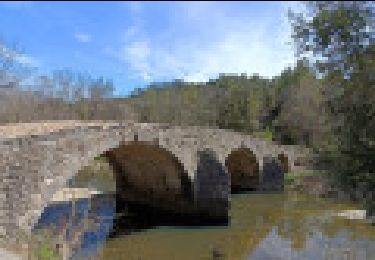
[{"x": 339, "y": 39}]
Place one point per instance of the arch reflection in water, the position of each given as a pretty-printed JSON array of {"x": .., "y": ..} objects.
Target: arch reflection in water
[
  {"x": 82, "y": 233},
  {"x": 262, "y": 225}
]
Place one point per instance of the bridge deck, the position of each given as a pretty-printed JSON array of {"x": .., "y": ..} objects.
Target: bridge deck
[{"x": 14, "y": 130}]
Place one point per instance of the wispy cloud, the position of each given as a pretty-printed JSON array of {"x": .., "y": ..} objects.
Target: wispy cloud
[
  {"x": 218, "y": 42},
  {"x": 82, "y": 37},
  {"x": 138, "y": 55}
]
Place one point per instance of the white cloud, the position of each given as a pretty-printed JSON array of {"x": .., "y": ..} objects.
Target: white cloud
[
  {"x": 222, "y": 44},
  {"x": 82, "y": 37},
  {"x": 138, "y": 55}
]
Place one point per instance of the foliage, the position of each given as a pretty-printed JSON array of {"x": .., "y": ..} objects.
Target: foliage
[
  {"x": 97, "y": 175},
  {"x": 340, "y": 36},
  {"x": 335, "y": 33},
  {"x": 265, "y": 134},
  {"x": 46, "y": 252},
  {"x": 42, "y": 246}
]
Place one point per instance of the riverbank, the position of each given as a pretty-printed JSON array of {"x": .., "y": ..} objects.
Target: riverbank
[
  {"x": 70, "y": 194},
  {"x": 309, "y": 182},
  {"x": 318, "y": 184},
  {"x": 5, "y": 254}
]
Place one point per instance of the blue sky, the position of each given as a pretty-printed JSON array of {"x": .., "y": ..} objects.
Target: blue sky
[{"x": 135, "y": 43}]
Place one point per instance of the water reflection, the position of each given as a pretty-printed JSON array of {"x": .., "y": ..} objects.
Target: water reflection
[
  {"x": 263, "y": 226},
  {"x": 82, "y": 226},
  {"x": 315, "y": 246},
  {"x": 138, "y": 218}
]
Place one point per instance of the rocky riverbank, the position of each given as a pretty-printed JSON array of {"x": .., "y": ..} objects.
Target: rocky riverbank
[{"x": 69, "y": 194}]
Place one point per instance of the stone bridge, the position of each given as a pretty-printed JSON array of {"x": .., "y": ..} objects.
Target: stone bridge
[{"x": 188, "y": 170}]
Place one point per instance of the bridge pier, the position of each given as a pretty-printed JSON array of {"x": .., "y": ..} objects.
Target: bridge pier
[
  {"x": 272, "y": 175},
  {"x": 211, "y": 186},
  {"x": 152, "y": 177}
]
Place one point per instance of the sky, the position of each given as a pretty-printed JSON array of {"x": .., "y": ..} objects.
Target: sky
[{"x": 136, "y": 43}]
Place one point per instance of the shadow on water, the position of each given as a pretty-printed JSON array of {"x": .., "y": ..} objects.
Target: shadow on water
[
  {"x": 263, "y": 226},
  {"x": 109, "y": 223},
  {"x": 241, "y": 190},
  {"x": 139, "y": 218}
]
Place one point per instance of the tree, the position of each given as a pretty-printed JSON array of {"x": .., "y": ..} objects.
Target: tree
[
  {"x": 101, "y": 88},
  {"x": 12, "y": 68},
  {"x": 339, "y": 38},
  {"x": 302, "y": 117},
  {"x": 335, "y": 33}
]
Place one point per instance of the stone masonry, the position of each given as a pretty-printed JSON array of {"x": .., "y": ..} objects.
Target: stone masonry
[{"x": 36, "y": 163}]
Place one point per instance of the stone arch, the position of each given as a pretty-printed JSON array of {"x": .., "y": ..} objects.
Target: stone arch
[
  {"x": 149, "y": 174},
  {"x": 243, "y": 168},
  {"x": 284, "y": 161}
]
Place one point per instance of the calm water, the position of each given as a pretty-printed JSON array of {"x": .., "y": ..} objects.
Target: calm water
[{"x": 263, "y": 226}]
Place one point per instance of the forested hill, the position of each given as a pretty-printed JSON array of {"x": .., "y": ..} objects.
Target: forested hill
[
  {"x": 272, "y": 108},
  {"x": 280, "y": 108}
]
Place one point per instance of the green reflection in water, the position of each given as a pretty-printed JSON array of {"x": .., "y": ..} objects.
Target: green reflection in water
[{"x": 253, "y": 216}]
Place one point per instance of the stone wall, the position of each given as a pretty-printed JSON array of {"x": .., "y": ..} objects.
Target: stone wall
[{"x": 34, "y": 166}]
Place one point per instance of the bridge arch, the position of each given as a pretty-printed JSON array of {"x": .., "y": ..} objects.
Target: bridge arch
[
  {"x": 149, "y": 174},
  {"x": 46, "y": 160},
  {"x": 284, "y": 161},
  {"x": 243, "y": 168}
]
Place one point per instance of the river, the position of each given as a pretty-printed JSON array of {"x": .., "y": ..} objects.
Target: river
[{"x": 262, "y": 226}]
